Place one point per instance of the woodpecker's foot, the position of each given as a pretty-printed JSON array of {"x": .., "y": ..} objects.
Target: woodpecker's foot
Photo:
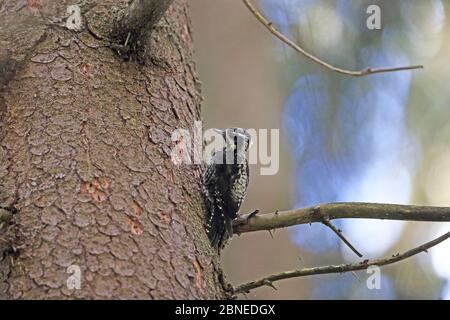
[{"x": 227, "y": 287}]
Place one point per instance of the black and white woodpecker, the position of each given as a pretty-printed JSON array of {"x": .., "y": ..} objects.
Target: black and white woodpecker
[{"x": 225, "y": 184}]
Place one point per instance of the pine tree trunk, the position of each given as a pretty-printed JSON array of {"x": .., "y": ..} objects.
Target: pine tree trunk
[{"x": 85, "y": 159}]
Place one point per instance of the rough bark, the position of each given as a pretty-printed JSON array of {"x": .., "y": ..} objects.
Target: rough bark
[{"x": 85, "y": 163}]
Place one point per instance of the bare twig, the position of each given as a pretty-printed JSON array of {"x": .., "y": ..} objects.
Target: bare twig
[
  {"x": 269, "y": 25},
  {"x": 343, "y": 210},
  {"x": 140, "y": 14},
  {"x": 326, "y": 221},
  {"x": 245, "y": 288}
]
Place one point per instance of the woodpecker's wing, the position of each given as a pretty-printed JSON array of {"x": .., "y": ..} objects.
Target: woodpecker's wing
[
  {"x": 240, "y": 180},
  {"x": 215, "y": 222},
  {"x": 224, "y": 189}
]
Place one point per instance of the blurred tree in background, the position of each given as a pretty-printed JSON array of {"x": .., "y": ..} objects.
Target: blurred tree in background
[{"x": 382, "y": 138}]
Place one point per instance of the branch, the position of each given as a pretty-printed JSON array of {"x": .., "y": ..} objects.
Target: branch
[
  {"x": 269, "y": 25},
  {"x": 326, "y": 221},
  {"x": 343, "y": 210},
  {"x": 140, "y": 14},
  {"x": 268, "y": 281}
]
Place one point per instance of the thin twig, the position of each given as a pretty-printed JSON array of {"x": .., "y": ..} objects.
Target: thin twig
[
  {"x": 343, "y": 210},
  {"x": 269, "y": 25},
  {"x": 326, "y": 221},
  {"x": 355, "y": 275},
  {"x": 338, "y": 268}
]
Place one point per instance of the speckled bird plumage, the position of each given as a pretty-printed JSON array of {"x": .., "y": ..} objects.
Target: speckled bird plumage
[{"x": 225, "y": 185}]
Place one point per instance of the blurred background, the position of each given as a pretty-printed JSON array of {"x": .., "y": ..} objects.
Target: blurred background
[{"x": 382, "y": 138}]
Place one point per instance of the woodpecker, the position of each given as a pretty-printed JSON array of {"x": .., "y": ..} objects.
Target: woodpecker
[{"x": 225, "y": 184}]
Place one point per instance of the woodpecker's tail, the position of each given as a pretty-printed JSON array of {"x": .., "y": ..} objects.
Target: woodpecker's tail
[{"x": 215, "y": 225}]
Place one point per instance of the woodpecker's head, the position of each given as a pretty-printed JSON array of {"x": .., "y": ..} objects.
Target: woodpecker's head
[{"x": 236, "y": 138}]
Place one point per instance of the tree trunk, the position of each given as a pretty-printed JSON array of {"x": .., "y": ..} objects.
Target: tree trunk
[{"x": 85, "y": 159}]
